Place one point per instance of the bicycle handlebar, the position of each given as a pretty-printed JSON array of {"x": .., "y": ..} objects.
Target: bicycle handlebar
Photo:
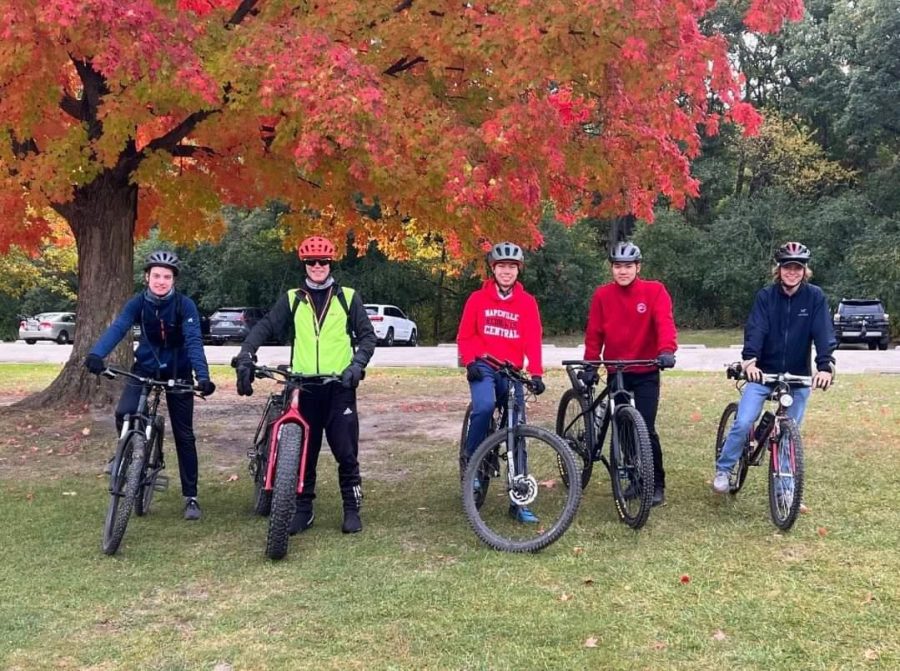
[
  {"x": 284, "y": 372},
  {"x": 508, "y": 368},
  {"x": 112, "y": 373},
  {"x": 735, "y": 371},
  {"x": 612, "y": 363}
]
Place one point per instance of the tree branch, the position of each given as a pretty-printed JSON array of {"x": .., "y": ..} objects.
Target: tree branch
[
  {"x": 190, "y": 151},
  {"x": 403, "y": 64},
  {"x": 71, "y": 106},
  {"x": 93, "y": 89},
  {"x": 246, "y": 7}
]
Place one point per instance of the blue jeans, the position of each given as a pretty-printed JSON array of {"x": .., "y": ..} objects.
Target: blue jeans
[
  {"x": 749, "y": 409},
  {"x": 485, "y": 393}
]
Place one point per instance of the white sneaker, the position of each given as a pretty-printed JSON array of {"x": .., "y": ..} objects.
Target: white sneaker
[{"x": 721, "y": 483}]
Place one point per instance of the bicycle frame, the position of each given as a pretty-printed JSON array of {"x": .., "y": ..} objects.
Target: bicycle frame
[{"x": 291, "y": 414}]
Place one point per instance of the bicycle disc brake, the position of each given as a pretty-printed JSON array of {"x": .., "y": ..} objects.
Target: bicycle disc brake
[{"x": 524, "y": 490}]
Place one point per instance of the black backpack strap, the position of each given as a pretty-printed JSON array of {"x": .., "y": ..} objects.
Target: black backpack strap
[
  {"x": 342, "y": 299},
  {"x": 298, "y": 298}
]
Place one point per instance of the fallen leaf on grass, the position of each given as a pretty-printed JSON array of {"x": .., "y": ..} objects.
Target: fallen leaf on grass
[
  {"x": 803, "y": 508},
  {"x": 870, "y": 598},
  {"x": 822, "y": 531},
  {"x": 577, "y": 550},
  {"x": 223, "y": 666},
  {"x": 565, "y": 597},
  {"x": 591, "y": 642},
  {"x": 685, "y": 579},
  {"x": 696, "y": 416},
  {"x": 549, "y": 484},
  {"x": 588, "y": 581},
  {"x": 232, "y": 478},
  {"x": 29, "y": 497},
  {"x": 871, "y": 655},
  {"x": 719, "y": 635},
  {"x": 659, "y": 645},
  {"x": 86, "y": 431}
]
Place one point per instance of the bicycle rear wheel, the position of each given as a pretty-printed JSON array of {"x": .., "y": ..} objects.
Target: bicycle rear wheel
[
  {"x": 786, "y": 470},
  {"x": 575, "y": 425},
  {"x": 154, "y": 466},
  {"x": 259, "y": 461},
  {"x": 124, "y": 486},
  {"x": 739, "y": 472},
  {"x": 631, "y": 467},
  {"x": 497, "y": 521},
  {"x": 486, "y": 472},
  {"x": 284, "y": 490}
]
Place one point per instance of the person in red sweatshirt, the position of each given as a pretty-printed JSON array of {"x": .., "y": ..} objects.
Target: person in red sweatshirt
[
  {"x": 500, "y": 319},
  {"x": 631, "y": 318}
]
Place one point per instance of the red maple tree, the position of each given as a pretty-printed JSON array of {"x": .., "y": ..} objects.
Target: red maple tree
[{"x": 469, "y": 116}]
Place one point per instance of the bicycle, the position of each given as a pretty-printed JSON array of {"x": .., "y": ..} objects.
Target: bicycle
[
  {"x": 583, "y": 419},
  {"x": 775, "y": 432},
  {"x": 136, "y": 469},
  {"x": 278, "y": 457},
  {"x": 526, "y": 461}
]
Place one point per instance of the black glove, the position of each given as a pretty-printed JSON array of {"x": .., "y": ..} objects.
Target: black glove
[
  {"x": 243, "y": 365},
  {"x": 94, "y": 364},
  {"x": 473, "y": 372},
  {"x": 351, "y": 376},
  {"x": 589, "y": 375},
  {"x": 666, "y": 360},
  {"x": 206, "y": 387},
  {"x": 537, "y": 385}
]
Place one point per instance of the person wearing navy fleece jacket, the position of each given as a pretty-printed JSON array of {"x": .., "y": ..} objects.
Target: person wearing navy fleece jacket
[
  {"x": 787, "y": 317},
  {"x": 631, "y": 318},
  {"x": 170, "y": 348},
  {"x": 503, "y": 320}
]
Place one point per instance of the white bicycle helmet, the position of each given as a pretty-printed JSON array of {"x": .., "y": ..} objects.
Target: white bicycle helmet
[
  {"x": 625, "y": 252},
  {"x": 506, "y": 251}
]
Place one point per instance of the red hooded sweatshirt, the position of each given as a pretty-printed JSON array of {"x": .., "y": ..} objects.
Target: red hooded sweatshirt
[
  {"x": 633, "y": 322},
  {"x": 507, "y": 328}
]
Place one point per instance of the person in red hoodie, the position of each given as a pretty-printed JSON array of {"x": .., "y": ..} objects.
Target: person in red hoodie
[
  {"x": 500, "y": 319},
  {"x": 631, "y": 318}
]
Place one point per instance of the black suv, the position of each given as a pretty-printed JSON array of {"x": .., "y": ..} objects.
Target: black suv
[
  {"x": 862, "y": 320},
  {"x": 233, "y": 324}
]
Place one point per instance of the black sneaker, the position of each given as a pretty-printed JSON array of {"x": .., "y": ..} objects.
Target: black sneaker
[
  {"x": 192, "y": 510},
  {"x": 303, "y": 520},
  {"x": 352, "y": 524},
  {"x": 659, "y": 497}
]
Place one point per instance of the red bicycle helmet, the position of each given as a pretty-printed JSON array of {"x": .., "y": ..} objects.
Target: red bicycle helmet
[{"x": 316, "y": 247}]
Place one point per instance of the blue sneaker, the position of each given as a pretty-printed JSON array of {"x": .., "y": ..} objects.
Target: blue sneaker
[
  {"x": 476, "y": 485},
  {"x": 523, "y": 514}
]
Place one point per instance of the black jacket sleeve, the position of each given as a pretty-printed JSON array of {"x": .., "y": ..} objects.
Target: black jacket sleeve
[
  {"x": 271, "y": 326},
  {"x": 823, "y": 333},
  {"x": 365, "y": 332}
]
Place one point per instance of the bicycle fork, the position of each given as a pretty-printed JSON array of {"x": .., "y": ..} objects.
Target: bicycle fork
[{"x": 521, "y": 485}]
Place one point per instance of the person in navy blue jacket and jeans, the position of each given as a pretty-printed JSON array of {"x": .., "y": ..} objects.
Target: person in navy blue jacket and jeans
[
  {"x": 170, "y": 348},
  {"x": 787, "y": 317}
]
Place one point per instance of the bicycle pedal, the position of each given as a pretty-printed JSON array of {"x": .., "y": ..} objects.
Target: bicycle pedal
[{"x": 161, "y": 484}]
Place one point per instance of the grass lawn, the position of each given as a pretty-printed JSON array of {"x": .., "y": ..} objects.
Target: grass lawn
[{"x": 708, "y": 584}]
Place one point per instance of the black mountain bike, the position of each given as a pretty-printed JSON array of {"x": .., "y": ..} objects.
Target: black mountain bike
[
  {"x": 136, "y": 469},
  {"x": 524, "y": 461},
  {"x": 775, "y": 432},
  {"x": 278, "y": 456},
  {"x": 582, "y": 421}
]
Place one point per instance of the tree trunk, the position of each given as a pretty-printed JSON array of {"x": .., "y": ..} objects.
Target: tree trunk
[
  {"x": 102, "y": 217},
  {"x": 439, "y": 300}
]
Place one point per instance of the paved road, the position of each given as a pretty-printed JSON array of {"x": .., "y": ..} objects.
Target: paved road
[{"x": 689, "y": 358}]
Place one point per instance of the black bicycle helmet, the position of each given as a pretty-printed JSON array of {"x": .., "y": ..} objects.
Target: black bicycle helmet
[
  {"x": 625, "y": 252},
  {"x": 164, "y": 258},
  {"x": 792, "y": 252},
  {"x": 506, "y": 251}
]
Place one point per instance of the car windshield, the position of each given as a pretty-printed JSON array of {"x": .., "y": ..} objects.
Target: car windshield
[
  {"x": 49, "y": 316},
  {"x": 371, "y": 310},
  {"x": 852, "y": 309}
]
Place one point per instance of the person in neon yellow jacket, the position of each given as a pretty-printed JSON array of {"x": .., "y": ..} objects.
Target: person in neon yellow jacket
[{"x": 324, "y": 318}]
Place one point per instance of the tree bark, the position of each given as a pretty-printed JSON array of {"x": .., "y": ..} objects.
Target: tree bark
[{"x": 102, "y": 217}]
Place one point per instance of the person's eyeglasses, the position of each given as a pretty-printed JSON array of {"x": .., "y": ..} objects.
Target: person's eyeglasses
[{"x": 318, "y": 262}]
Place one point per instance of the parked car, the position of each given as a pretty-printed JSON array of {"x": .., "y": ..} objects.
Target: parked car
[
  {"x": 58, "y": 326},
  {"x": 392, "y": 325},
  {"x": 862, "y": 320},
  {"x": 233, "y": 324}
]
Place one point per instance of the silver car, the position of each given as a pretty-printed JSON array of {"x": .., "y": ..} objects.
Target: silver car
[{"x": 58, "y": 326}]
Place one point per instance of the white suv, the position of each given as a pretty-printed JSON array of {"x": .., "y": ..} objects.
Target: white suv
[{"x": 391, "y": 325}]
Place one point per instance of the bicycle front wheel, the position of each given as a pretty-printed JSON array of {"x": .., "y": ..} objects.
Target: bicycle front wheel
[
  {"x": 786, "y": 474},
  {"x": 575, "y": 425},
  {"x": 124, "y": 487},
  {"x": 284, "y": 490},
  {"x": 739, "y": 472},
  {"x": 154, "y": 466},
  {"x": 631, "y": 467},
  {"x": 532, "y": 510}
]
